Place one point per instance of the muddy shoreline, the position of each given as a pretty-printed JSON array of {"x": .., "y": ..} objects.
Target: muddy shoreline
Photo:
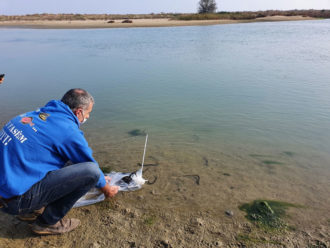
[{"x": 186, "y": 206}]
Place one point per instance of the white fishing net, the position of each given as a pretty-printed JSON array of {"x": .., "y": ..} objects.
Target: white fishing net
[{"x": 125, "y": 182}]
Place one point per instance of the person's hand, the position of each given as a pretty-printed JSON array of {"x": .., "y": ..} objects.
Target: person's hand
[
  {"x": 107, "y": 179},
  {"x": 109, "y": 191}
]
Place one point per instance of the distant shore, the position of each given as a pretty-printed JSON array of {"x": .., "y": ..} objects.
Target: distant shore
[{"x": 160, "y": 22}]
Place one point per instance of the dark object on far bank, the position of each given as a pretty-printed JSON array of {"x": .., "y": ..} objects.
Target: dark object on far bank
[
  {"x": 2, "y": 76},
  {"x": 207, "y": 6},
  {"x": 111, "y": 21},
  {"x": 137, "y": 132},
  {"x": 127, "y": 21}
]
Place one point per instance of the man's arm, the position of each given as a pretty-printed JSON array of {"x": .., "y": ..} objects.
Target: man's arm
[{"x": 76, "y": 149}]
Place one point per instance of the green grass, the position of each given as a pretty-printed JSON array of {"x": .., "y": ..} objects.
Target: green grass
[
  {"x": 106, "y": 205},
  {"x": 250, "y": 240},
  {"x": 267, "y": 214},
  {"x": 149, "y": 220},
  {"x": 107, "y": 169}
]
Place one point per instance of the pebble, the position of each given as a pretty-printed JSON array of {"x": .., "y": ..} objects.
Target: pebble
[
  {"x": 165, "y": 243},
  {"x": 95, "y": 245},
  {"x": 229, "y": 213},
  {"x": 132, "y": 245},
  {"x": 140, "y": 197},
  {"x": 200, "y": 222},
  {"x": 218, "y": 243},
  {"x": 153, "y": 192}
]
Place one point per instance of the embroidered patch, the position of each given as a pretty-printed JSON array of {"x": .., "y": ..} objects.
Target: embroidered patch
[
  {"x": 44, "y": 116},
  {"x": 27, "y": 120}
]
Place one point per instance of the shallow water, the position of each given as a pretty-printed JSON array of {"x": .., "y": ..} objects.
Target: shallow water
[{"x": 256, "y": 91}]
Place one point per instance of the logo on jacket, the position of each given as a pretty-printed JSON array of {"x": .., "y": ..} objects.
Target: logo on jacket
[
  {"x": 27, "y": 120},
  {"x": 44, "y": 116}
]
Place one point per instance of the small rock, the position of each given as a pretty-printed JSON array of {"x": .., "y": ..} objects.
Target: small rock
[
  {"x": 218, "y": 243},
  {"x": 229, "y": 213},
  {"x": 140, "y": 197},
  {"x": 199, "y": 221},
  {"x": 132, "y": 245},
  {"x": 95, "y": 245},
  {"x": 126, "y": 211},
  {"x": 165, "y": 243}
]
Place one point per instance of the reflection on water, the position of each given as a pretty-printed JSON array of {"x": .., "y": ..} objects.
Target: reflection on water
[{"x": 260, "y": 87}]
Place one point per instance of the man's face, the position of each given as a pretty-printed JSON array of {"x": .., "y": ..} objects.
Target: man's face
[{"x": 84, "y": 113}]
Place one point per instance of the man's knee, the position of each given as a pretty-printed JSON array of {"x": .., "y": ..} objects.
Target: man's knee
[{"x": 92, "y": 170}]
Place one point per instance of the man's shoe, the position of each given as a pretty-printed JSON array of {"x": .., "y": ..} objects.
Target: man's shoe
[
  {"x": 62, "y": 226},
  {"x": 31, "y": 216}
]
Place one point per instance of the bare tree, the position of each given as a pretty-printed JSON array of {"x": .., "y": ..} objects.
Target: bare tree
[{"x": 207, "y": 6}]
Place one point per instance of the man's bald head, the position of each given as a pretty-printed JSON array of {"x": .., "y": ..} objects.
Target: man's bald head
[{"x": 77, "y": 98}]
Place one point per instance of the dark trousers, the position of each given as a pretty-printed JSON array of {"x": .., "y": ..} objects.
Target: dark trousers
[{"x": 57, "y": 192}]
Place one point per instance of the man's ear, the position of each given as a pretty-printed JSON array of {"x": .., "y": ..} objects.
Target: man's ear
[{"x": 77, "y": 111}]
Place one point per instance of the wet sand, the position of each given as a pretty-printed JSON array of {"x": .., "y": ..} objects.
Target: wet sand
[
  {"x": 137, "y": 23},
  {"x": 186, "y": 205}
]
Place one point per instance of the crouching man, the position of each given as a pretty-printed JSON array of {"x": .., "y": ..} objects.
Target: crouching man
[{"x": 34, "y": 149}]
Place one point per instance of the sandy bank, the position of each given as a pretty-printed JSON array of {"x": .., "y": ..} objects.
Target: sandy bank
[{"x": 137, "y": 23}]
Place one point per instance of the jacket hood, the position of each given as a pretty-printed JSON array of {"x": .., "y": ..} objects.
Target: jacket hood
[{"x": 59, "y": 106}]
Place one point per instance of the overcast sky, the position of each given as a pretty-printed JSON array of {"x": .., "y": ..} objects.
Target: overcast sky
[{"x": 18, "y": 7}]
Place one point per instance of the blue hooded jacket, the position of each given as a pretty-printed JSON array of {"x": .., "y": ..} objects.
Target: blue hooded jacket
[{"x": 35, "y": 143}]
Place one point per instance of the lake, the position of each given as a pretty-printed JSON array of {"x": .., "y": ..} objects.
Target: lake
[
  {"x": 234, "y": 113},
  {"x": 257, "y": 89}
]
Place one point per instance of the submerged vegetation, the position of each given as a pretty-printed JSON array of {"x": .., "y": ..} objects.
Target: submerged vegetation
[
  {"x": 137, "y": 132},
  {"x": 243, "y": 15},
  {"x": 271, "y": 162},
  {"x": 288, "y": 153},
  {"x": 267, "y": 214}
]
